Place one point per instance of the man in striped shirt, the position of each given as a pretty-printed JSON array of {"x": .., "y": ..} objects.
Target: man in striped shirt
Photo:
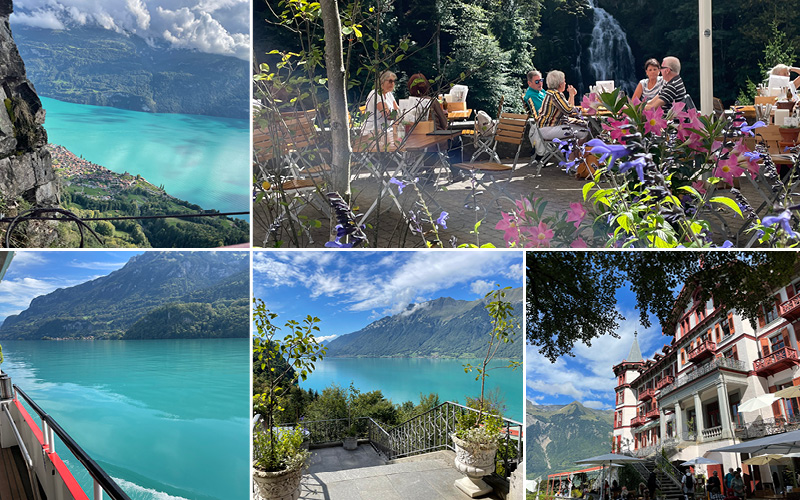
[
  {"x": 558, "y": 117},
  {"x": 674, "y": 90}
]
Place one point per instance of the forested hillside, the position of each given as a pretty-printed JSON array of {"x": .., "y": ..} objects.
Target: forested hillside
[{"x": 155, "y": 295}]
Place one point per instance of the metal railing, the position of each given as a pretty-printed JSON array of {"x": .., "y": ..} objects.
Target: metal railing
[
  {"x": 733, "y": 364},
  {"x": 427, "y": 432},
  {"x": 24, "y": 450},
  {"x": 767, "y": 427},
  {"x": 669, "y": 470},
  {"x": 102, "y": 481}
]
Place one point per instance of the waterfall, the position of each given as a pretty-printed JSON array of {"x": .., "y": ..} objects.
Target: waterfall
[{"x": 610, "y": 56}]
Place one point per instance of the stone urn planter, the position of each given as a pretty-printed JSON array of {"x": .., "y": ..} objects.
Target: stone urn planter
[
  {"x": 474, "y": 461},
  {"x": 350, "y": 443},
  {"x": 281, "y": 485}
]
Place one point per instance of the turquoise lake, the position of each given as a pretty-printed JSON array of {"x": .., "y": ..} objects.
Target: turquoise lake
[
  {"x": 167, "y": 419},
  {"x": 403, "y": 379},
  {"x": 201, "y": 159}
]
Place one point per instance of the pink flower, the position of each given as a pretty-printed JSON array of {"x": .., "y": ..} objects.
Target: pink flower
[
  {"x": 524, "y": 205},
  {"x": 689, "y": 121},
  {"x": 578, "y": 243},
  {"x": 728, "y": 169},
  {"x": 541, "y": 235},
  {"x": 590, "y": 103},
  {"x": 700, "y": 186},
  {"x": 509, "y": 225},
  {"x": 576, "y": 213},
  {"x": 654, "y": 121},
  {"x": 614, "y": 128}
]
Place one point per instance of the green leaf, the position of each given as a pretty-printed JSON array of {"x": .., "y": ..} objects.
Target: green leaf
[
  {"x": 586, "y": 188},
  {"x": 728, "y": 203}
]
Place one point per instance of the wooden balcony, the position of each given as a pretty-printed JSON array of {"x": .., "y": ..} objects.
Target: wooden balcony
[
  {"x": 638, "y": 420},
  {"x": 791, "y": 308},
  {"x": 646, "y": 394},
  {"x": 703, "y": 351},
  {"x": 652, "y": 413},
  {"x": 664, "y": 382},
  {"x": 777, "y": 361}
]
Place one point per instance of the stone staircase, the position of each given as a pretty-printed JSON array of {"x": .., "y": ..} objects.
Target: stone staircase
[{"x": 668, "y": 483}]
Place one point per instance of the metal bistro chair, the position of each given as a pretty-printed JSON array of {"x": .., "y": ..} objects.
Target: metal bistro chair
[
  {"x": 483, "y": 136},
  {"x": 545, "y": 150},
  {"x": 510, "y": 130}
]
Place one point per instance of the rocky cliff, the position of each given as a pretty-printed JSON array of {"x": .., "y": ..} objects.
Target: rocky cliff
[{"x": 25, "y": 167}]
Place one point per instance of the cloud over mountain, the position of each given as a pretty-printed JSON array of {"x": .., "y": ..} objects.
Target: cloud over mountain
[{"x": 212, "y": 26}]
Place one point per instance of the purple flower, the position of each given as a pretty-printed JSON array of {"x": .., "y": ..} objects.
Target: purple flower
[
  {"x": 400, "y": 184},
  {"x": 747, "y": 129},
  {"x": 784, "y": 219},
  {"x": 727, "y": 244},
  {"x": 442, "y": 218},
  {"x": 615, "y": 151},
  {"x": 752, "y": 155},
  {"x": 638, "y": 164}
]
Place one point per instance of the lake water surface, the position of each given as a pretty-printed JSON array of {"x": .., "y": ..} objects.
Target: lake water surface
[
  {"x": 201, "y": 159},
  {"x": 403, "y": 379},
  {"x": 167, "y": 419}
]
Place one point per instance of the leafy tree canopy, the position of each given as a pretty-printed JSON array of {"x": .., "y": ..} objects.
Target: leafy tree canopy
[{"x": 571, "y": 295}]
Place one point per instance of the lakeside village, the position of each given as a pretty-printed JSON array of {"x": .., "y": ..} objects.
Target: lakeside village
[{"x": 93, "y": 180}]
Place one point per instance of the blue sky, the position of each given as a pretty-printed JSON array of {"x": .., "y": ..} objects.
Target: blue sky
[
  {"x": 348, "y": 290},
  {"x": 35, "y": 273},
  {"x": 588, "y": 377}
]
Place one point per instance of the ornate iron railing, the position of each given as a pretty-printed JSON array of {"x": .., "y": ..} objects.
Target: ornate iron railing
[
  {"x": 767, "y": 427},
  {"x": 733, "y": 364}
]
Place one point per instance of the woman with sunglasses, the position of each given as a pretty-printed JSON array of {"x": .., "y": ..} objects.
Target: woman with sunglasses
[
  {"x": 380, "y": 106},
  {"x": 535, "y": 91},
  {"x": 650, "y": 86}
]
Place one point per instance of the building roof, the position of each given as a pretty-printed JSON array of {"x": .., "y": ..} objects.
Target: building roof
[{"x": 635, "y": 355}]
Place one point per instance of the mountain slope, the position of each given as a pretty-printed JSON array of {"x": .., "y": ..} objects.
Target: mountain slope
[
  {"x": 107, "y": 307},
  {"x": 90, "y": 65},
  {"x": 443, "y": 327},
  {"x": 557, "y": 435}
]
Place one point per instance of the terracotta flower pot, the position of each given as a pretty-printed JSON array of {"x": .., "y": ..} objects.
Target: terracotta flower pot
[
  {"x": 281, "y": 485},
  {"x": 474, "y": 461},
  {"x": 789, "y": 134}
]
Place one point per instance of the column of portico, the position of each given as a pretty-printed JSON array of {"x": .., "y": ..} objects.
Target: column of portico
[
  {"x": 678, "y": 422},
  {"x": 724, "y": 410},
  {"x": 662, "y": 423},
  {"x": 698, "y": 417}
]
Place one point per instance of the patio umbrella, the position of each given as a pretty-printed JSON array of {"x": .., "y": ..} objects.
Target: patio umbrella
[
  {"x": 758, "y": 402},
  {"x": 767, "y": 459},
  {"x": 699, "y": 461},
  {"x": 787, "y": 442},
  {"x": 608, "y": 459},
  {"x": 789, "y": 392}
]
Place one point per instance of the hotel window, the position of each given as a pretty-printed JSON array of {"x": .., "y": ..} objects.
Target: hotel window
[
  {"x": 776, "y": 342},
  {"x": 727, "y": 326},
  {"x": 771, "y": 311},
  {"x": 731, "y": 353}
]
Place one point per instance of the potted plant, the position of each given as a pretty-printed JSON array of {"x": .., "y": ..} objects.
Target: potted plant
[
  {"x": 789, "y": 133},
  {"x": 477, "y": 435},
  {"x": 350, "y": 441},
  {"x": 278, "y": 453}
]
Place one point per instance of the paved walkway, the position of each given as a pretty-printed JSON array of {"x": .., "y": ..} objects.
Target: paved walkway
[
  {"x": 387, "y": 227},
  {"x": 420, "y": 478}
]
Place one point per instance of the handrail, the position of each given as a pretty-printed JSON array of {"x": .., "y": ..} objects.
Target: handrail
[
  {"x": 24, "y": 450},
  {"x": 100, "y": 476},
  {"x": 668, "y": 469}
]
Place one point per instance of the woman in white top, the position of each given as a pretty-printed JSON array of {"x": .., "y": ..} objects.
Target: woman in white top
[
  {"x": 379, "y": 107},
  {"x": 784, "y": 70},
  {"x": 651, "y": 86}
]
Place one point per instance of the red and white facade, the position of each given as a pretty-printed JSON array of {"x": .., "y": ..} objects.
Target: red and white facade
[{"x": 686, "y": 397}]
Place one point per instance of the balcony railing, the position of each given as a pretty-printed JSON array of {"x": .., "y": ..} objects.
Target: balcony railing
[
  {"x": 703, "y": 351},
  {"x": 779, "y": 360},
  {"x": 638, "y": 420},
  {"x": 652, "y": 413},
  {"x": 646, "y": 394},
  {"x": 791, "y": 308},
  {"x": 767, "y": 427},
  {"x": 712, "y": 433},
  {"x": 731, "y": 364},
  {"x": 665, "y": 382}
]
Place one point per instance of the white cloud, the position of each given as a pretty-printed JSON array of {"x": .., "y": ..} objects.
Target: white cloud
[
  {"x": 97, "y": 265},
  {"x": 26, "y": 258},
  {"x": 16, "y": 294},
  {"x": 326, "y": 338},
  {"x": 597, "y": 405},
  {"x": 213, "y": 26},
  {"x": 588, "y": 377},
  {"x": 481, "y": 287}
]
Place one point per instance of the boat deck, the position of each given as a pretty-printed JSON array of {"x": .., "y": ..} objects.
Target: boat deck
[{"x": 14, "y": 482}]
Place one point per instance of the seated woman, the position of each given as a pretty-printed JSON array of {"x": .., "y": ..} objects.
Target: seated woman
[
  {"x": 650, "y": 86},
  {"x": 784, "y": 70},
  {"x": 380, "y": 106},
  {"x": 557, "y": 111},
  {"x": 419, "y": 88}
]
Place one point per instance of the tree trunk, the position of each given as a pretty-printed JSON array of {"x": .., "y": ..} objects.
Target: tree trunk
[{"x": 340, "y": 132}]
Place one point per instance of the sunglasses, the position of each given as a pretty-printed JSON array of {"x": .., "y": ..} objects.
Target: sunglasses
[
  {"x": 664, "y": 67},
  {"x": 391, "y": 81},
  {"x": 540, "y": 80}
]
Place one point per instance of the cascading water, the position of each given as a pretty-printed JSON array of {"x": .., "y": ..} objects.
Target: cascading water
[{"x": 610, "y": 56}]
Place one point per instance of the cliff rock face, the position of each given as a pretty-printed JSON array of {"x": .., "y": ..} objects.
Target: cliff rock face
[{"x": 25, "y": 166}]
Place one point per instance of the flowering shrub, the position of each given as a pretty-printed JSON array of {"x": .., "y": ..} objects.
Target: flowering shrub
[{"x": 656, "y": 182}]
